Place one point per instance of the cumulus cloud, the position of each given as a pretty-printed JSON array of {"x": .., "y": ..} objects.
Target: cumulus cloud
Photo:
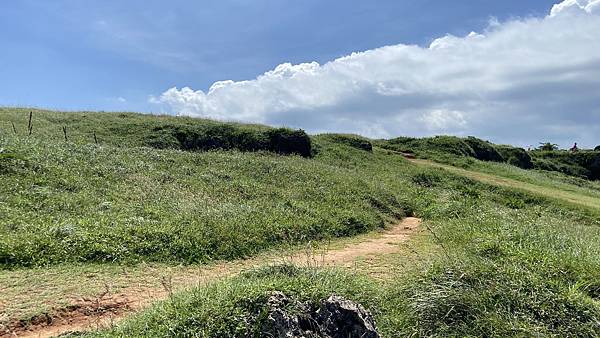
[
  {"x": 442, "y": 120},
  {"x": 520, "y": 82},
  {"x": 575, "y": 7}
]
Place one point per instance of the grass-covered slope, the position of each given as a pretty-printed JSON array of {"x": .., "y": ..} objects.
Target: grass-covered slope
[
  {"x": 583, "y": 163},
  {"x": 162, "y": 132},
  {"x": 65, "y": 202},
  {"x": 450, "y": 149},
  {"x": 76, "y": 201},
  {"x": 507, "y": 263}
]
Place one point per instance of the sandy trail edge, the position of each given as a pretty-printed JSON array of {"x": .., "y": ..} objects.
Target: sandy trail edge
[{"x": 107, "y": 309}]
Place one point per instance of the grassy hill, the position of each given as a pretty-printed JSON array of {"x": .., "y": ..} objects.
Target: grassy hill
[
  {"x": 498, "y": 260},
  {"x": 122, "y": 201},
  {"x": 455, "y": 150}
]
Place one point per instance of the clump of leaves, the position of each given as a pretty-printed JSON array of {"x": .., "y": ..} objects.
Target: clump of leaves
[
  {"x": 427, "y": 180},
  {"x": 9, "y": 161},
  {"x": 547, "y": 146}
]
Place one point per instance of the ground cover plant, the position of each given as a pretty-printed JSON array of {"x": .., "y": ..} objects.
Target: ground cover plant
[
  {"x": 89, "y": 203},
  {"x": 492, "y": 276},
  {"x": 507, "y": 262},
  {"x": 450, "y": 149},
  {"x": 582, "y": 163},
  {"x": 163, "y": 132},
  {"x": 77, "y": 201}
]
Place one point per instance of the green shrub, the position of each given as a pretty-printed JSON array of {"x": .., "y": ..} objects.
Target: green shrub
[
  {"x": 10, "y": 162},
  {"x": 565, "y": 168},
  {"x": 229, "y": 137},
  {"x": 465, "y": 147},
  {"x": 515, "y": 156},
  {"x": 595, "y": 168},
  {"x": 483, "y": 150},
  {"x": 422, "y": 146},
  {"x": 287, "y": 141},
  {"x": 583, "y": 163},
  {"x": 353, "y": 141},
  {"x": 547, "y": 146}
]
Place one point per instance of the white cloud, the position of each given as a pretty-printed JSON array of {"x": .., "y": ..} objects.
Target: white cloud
[
  {"x": 441, "y": 120},
  {"x": 572, "y": 7},
  {"x": 511, "y": 83}
]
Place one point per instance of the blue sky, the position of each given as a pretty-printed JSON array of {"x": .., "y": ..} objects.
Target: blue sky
[
  {"x": 116, "y": 55},
  {"x": 88, "y": 54}
]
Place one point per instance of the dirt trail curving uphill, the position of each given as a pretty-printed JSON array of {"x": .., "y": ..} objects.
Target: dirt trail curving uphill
[
  {"x": 547, "y": 192},
  {"x": 107, "y": 308}
]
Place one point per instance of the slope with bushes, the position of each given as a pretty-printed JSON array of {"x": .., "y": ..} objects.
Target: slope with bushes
[
  {"x": 509, "y": 264},
  {"x": 161, "y": 132},
  {"x": 448, "y": 148},
  {"x": 583, "y": 163},
  {"x": 504, "y": 263}
]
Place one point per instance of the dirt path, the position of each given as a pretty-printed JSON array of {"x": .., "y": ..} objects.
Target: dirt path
[
  {"x": 555, "y": 194},
  {"x": 108, "y": 308}
]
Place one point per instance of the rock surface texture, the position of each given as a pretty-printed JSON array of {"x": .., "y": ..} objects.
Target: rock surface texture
[{"x": 334, "y": 317}]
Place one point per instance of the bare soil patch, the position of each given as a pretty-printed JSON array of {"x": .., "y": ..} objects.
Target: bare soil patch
[{"x": 107, "y": 308}]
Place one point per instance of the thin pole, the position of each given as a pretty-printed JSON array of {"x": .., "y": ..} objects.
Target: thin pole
[{"x": 30, "y": 126}]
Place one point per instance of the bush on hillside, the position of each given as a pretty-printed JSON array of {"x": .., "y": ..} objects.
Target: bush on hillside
[
  {"x": 582, "y": 163},
  {"x": 287, "y": 141},
  {"x": 483, "y": 150},
  {"x": 464, "y": 147},
  {"x": 9, "y": 162},
  {"x": 565, "y": 168},
  {"x": 595, "y": 168},
  {"x": 353, "y": 141},
  {"x": 515, "y": 156},
  {"x": 438, "y": 144},
  {"x": 450, "y": 144},
  {"x": 228, "y": 137}
]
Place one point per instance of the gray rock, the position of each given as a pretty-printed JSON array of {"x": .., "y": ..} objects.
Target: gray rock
[
  {"x": 336, "y": 317},
  {"x": 281, "y": 323},
  {"x": 342, "y": 318}
]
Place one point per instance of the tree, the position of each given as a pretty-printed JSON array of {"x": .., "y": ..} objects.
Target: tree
[
  {"x": 597, "y": 148},
  {"x": 548, "y": 146}
]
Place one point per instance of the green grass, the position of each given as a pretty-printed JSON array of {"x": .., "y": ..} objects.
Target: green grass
[
  {"x": 511, "y": 266},
  {"x": 236, "y": 307},
  {"x": 82, "y": 202},
  {"x": 510, "y": 262},
  {"x": 87, "y": 203},
  {"x": 537, "y": 183},
  {"x": 161, "y": 132},
  {"x": 452, "y": 150},
  {"x": 493, "y": 279}
]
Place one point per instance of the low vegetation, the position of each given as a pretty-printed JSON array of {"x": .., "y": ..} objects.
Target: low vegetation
[
  {"x": 450, "y": 149},
  {"x": 491, "y": 276},
  {"x": 507, "y": 263},
  {"x": 583, "y": 163},
  {"x": 162, "y": 132},
  {"x": 353, "y": 141}
]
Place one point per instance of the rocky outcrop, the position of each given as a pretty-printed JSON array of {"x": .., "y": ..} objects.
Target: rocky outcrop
[{"x": 334, "y": 317}]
